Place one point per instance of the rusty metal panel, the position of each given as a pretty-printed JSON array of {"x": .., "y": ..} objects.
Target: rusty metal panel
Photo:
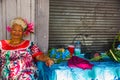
[{"x": 95, "y": 21}]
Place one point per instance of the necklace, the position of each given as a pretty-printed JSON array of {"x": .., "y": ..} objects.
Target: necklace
[{"x": 15, "y": 42}]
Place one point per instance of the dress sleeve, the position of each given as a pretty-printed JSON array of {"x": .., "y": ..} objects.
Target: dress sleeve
[
  {"x": 0, "y": 56},
  {"x": 35, "y": 50},
  {"x": 0, "y": 45}
]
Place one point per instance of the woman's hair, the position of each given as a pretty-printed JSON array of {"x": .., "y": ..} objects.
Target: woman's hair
[{"x": 20, "y": 21}]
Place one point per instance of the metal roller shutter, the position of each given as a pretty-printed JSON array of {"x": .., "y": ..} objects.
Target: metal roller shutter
[{"x": 94, "y": 22}]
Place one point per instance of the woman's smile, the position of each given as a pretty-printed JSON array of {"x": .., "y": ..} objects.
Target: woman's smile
[{"x": 17, "y": 32}]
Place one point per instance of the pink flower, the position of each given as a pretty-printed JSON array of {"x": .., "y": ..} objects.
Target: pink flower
[
  {"x": 26, "y": 33},
  {"x": 26, "y": 21},
  {"x": 96, "y": 54},
  {"x": 30, "y": 25},
  {"x": 8, "y": 28},
  {"x": 29, "y": 29}
]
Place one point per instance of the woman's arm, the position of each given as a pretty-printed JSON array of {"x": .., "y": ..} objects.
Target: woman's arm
[
  {"x": 39, "y": 55},
  {"x": 45, "y": 59}
]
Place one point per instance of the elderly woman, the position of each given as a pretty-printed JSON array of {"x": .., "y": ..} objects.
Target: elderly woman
[{"x": 19, "y": 56}]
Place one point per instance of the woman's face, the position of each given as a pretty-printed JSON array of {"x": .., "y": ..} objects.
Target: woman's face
[{"x": 16, "y": 32}]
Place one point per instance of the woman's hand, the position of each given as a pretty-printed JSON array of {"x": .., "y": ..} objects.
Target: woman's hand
[{"x": 49, "y": 62}]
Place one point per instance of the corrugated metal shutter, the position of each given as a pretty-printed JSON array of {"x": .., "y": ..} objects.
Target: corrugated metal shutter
[{"x": 96, "y": 22}]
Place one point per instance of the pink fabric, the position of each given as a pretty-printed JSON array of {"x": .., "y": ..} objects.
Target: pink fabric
[{"x": 75, "y": 61}]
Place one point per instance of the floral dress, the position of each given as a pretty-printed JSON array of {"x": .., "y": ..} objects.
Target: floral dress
[{"x": 18, "y": 62}]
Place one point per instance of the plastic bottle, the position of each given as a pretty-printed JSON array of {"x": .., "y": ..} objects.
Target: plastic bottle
[
  {"x": 118, "y": 47},
  {"x": 77, "y": 51}
]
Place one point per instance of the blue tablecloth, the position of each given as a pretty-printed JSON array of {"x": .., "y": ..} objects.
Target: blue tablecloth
[{"x": 101, "y": 71}]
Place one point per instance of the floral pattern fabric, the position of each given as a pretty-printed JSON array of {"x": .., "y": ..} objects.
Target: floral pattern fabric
[{"x": 18, "y": 62}]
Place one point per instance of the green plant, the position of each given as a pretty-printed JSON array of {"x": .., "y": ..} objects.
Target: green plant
[{"x": 114, "y": 53}]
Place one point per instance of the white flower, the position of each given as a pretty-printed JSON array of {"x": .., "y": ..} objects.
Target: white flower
[{"x": 19, "y": 21}]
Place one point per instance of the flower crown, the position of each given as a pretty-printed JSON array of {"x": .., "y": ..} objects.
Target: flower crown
[{"x": 28, "y": 27}]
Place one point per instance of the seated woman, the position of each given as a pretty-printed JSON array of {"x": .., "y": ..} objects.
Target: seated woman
[{"x": 18, "y": 56}]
